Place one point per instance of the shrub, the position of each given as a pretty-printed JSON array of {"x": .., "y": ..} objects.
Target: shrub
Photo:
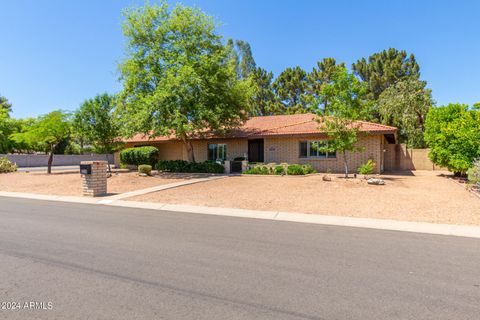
[
  {"x": 307, "y": 169},
  {"x": 474, "y": 173},
  {"x": 139, "y": 155},
  {"x": 7, "y": 166},
  {"x": 295, "y": 169},
  {"x": 145, "y": 168},
  {"x": 279, "y": 170},
  {"x": 259, "y": 169},
  {"x": 191, "y": 167},
  {"x": 367, "y": 167}
]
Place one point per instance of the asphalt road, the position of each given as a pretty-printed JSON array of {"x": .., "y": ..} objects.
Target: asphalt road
[{"x": 100, "y": 262}]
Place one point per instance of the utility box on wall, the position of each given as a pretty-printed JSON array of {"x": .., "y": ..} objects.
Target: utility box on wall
[{"x": 94, "y": 178}]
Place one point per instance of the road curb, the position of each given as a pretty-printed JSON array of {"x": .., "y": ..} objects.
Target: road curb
[{"x": 380, "y": 224}]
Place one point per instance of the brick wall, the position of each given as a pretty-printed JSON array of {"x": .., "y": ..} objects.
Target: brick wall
[
  {"x": 95, "y": 184},
  {"x": 278, "y": 149},
  {"x": 287, "y": 149}
]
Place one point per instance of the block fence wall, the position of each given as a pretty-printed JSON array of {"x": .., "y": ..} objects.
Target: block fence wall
[
  {"x": 41, "y": 160},
  {"x": 399, "y": 157}
]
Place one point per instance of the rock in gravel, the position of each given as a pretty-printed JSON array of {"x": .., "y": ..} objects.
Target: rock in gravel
[
  {"x": 376, "y": 181},
  {"x": 143, "y": 174},
  {"x": 326, "y": 178}
]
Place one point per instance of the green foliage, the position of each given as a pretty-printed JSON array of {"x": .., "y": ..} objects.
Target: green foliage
[
  {"x": 320, "y": 77},
  {"x": 145, "y": 168},
  {"x": 290, "y": 89},
  {"x": 258, "y": 169},
  {"x": 405, "y": 105},
  {"x": 367, "y": 167},
  {"x": 453, "y": 135},
  {"x": 190, "y": 167},
  {"x": 280, "y": 169},
  {"x": 46, "y": 133},
  {"x": 383, "y": 69},
  {"x": 348, "y": 104},
  {"x": 5, "y": 105},
  {"x": 139, "y": 155},
  {"x": 473, "y": 174},
  {"x": 308, "y": 169},
  {"x": 263, "y": 100},
  {"x": 295, "y": 169},
  {"x": 94, "y": 122},
  {"x": 178, "y": 79},
  {"x": 6, "y": 165}
]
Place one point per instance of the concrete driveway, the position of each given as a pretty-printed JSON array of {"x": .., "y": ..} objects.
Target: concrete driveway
[{"x": 99, "y": 262}]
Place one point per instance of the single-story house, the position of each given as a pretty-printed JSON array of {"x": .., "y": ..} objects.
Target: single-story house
[{"x": 282, "y": 138}]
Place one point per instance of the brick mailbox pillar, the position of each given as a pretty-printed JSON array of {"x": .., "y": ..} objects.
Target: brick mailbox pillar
[{"x": 94, "y": 178}]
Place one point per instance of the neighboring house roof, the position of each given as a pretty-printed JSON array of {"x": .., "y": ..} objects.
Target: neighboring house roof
[{"x": 282, "y": 125}]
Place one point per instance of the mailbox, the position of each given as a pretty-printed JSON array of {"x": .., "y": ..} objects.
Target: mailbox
[{"x": 85, "y": 169}]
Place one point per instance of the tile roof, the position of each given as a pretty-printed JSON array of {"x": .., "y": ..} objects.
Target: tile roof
[{"x": 296, "y": 124}]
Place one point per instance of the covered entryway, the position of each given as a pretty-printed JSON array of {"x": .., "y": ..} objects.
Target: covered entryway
[{"x": 255, "y": 150}]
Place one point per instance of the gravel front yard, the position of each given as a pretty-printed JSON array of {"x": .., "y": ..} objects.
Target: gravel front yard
[
  {"x": 422, "y": 196},
  {"x": 71, "y": 184}
]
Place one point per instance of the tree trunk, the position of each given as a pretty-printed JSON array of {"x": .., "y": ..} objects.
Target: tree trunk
[
  {"x": 189, "y": 146},
  {"x": 50, "y": 160},
  {"x": 345, "y": 164}
]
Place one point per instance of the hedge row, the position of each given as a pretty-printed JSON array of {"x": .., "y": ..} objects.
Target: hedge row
[
  {"x": 139, "y": 155},
  {"x": 192, "y": 167},
  {"x": 281, "y": 169}
]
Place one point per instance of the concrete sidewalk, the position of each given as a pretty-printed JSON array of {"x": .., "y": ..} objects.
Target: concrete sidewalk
[{"x": 382, "y": 224}]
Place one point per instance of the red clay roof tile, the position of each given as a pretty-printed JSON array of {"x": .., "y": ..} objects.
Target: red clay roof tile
[{"x": 297, "y": 124}]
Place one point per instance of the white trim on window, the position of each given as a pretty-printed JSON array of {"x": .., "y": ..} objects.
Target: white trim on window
[{"x": 312, "y": 153}]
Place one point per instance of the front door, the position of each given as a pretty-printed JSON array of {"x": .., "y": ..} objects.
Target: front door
[{"x": 255, "y": 150}]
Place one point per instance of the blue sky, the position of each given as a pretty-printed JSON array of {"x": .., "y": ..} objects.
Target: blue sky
[{"x": 55, "y": 54}]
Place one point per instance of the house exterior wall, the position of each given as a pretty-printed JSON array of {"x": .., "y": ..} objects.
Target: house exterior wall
[
  {"x": 278, "y": 149},
  {"x": 287, "y": 149},
  {"x": 235, "y": 148}
]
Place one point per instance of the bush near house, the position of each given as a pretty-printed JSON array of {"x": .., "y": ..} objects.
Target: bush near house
[
  {"x": 7, "y": 166},
  {"x": 280, "y": 169},
  {"x": 145, "y": 168},
  {"x": 139, "y": 155},
  {"x": 367, "y": 167},
  {"x": 190, "y": 167}
]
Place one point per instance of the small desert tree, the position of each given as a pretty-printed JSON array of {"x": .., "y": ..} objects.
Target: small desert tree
[
  {"x": 46, "y": 133},
  {"x": 178, "y": 79},
  {"x": 347, "y": 105}
]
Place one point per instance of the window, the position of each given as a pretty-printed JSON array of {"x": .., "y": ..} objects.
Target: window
[
  {"x": 217, "y": 152},
  {"x": 311, "y": 149}
]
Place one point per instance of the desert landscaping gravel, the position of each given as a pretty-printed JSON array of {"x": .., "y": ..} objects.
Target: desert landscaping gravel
[
  {"x": 71, "y": 183},
  {"x": 426, "y": 196}
]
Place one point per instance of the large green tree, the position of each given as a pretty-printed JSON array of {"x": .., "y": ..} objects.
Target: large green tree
[
  {"x": 264, "y": 101},
  {"x": 46, "y": 133},
  {"x": 453, "y": 135},
  {"x": 317, "y": 79},
  {"x": 385, "y": 68},
  {"x": 405, "y": 105},
  {"x": 291, "y": 91},
  {"x": 177, "y": 77},
  {"x": 347, "y": 106},
  {"x": 95, "y": 122}
]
